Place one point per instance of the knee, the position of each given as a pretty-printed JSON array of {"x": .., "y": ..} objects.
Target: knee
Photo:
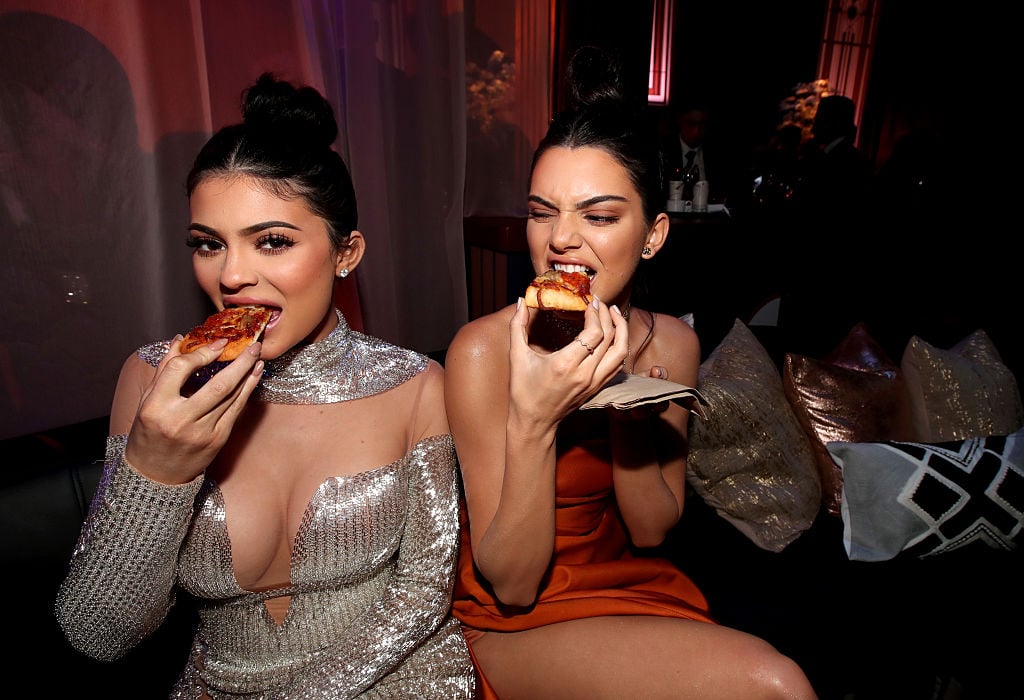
[{"x": 777, "y": 677}]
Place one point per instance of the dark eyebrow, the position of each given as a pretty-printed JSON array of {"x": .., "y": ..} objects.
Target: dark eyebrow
[
  {"x": 599, "y": 199},
  {"x": 248, "y": 230},
  {"x": 581, "y": 205}
]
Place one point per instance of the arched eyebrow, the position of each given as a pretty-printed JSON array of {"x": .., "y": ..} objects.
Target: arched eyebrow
[
  {"x": 248, "y": 230},
  {"x": 583, "y": 204}
]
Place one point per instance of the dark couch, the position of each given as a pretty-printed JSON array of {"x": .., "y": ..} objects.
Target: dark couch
[
  {"x": 46, "y": 489},
  {"x": 946, "y": 628}
]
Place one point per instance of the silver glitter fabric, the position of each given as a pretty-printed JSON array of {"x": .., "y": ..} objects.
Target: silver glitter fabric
[
  {"x": 124, "y": 559},
  {"x": 372, "y": 567},
  {"x": 345, "y": 365}
]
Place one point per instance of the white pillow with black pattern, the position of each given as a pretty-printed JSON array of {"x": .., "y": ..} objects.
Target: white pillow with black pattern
[{"x": 923, "y": 499}]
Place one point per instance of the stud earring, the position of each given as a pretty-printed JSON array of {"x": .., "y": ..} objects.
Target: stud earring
[
  {"x": 647, "y": 250},
  {"x": 343, "y": 272}
]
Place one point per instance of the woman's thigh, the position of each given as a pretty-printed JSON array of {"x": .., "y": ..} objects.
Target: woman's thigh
[{"x": 634, "y": 656}]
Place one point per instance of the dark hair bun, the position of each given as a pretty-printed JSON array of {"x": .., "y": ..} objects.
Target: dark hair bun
[
  {"x": 285, "y": 112},
  {"x": 594, "y": 76}
]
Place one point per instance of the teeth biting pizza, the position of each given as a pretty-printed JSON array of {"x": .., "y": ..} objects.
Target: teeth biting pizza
[
  {"x": 556, "y": 290},
  {"x": 241, "y": 325}
]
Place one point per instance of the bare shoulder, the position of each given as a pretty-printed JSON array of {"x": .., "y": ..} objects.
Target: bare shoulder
[
  {"x": 479, "y": 344},
  {"x": 136, "y": 371},
  {"x": 432, "y": 384},
  {"x": 675, "y": 346},
  {"x": 136, "y": 375},
  {"x": 677, "y": 330},
  {"x": 430, "y": 417},
  {"x": 432, "y": 375},
  {"x": 477, "y": 373}
]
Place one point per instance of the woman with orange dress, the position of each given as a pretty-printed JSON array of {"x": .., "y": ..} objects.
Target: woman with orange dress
[{"x": 555, "y": 591}]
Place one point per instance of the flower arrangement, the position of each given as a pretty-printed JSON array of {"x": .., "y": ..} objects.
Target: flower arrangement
[
  {"x": 489, "y": 89},
  {"x": 801, "y": 105}
]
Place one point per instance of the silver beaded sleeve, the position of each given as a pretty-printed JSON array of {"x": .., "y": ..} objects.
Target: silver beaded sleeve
[
  {"x": 120, "y": 582},
  {"x": 417, "y": 602}
]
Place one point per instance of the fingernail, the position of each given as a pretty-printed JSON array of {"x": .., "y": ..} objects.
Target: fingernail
[
  {"x": 615, "y": 308},
  {"x": 257, "y": 369},
  {"x": 218, "y": 343},
  {"x": 254, "y": 349},
  {"x": 177, "y": 337},
  {"x": 595, "y": 302},
  {"x": 519, "y": 303}
]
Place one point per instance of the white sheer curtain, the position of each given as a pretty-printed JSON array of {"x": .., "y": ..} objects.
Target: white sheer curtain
[
  {"x": 103, "y": 105},
  {"x": 401, "y": 91}
]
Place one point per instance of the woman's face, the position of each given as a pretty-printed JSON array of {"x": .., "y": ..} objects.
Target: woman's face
[
  {"x": 585, "y": 211},
  {"x": 253, "y": 247}
]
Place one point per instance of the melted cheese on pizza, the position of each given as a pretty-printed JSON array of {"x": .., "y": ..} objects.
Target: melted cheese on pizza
[{"x": 241, "y": 325}]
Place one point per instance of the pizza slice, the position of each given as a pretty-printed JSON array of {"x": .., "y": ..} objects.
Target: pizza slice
[
  {"x": 241, "y": 325},
  {"x": 556, "y": 290}
]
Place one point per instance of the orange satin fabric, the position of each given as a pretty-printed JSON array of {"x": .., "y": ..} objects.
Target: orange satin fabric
[{"x": 593, "y": 571}]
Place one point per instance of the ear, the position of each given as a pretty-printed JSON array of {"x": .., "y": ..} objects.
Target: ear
[
  {"x": 348, "y": 257},
  {"x": 657, "y": 235}
]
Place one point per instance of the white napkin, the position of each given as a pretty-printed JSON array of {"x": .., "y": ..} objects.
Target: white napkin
[{"x": 625, "y": 391}]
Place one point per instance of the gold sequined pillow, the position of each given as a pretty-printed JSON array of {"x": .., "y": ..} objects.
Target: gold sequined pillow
[
  {"x": 749, "y": 458},
  {"x": 963, "y": 392},
  {"x": 856, "y": 394}
]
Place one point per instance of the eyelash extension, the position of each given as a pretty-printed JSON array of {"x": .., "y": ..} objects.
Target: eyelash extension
[
  {"x": 193, "y": 241},
  {"x": 276, "y": 241}
]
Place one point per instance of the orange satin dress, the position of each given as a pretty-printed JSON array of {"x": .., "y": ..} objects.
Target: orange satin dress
[{"x": 594, "y": 571}]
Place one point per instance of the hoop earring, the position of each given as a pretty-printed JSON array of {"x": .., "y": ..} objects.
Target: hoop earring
[{"x": 343, "y": 272}]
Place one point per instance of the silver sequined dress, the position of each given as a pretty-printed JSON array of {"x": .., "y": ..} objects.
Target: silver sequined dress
[{"x": 372, "y": 566}]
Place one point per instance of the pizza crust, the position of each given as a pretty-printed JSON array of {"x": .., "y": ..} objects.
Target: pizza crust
[
  {"x": 241, "y": 325},
  {"x": 559, "y": 291}
]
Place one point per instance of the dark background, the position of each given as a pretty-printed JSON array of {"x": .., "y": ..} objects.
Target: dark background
[
  {"x": 938, "y": 66},
  {"x": 939, "y": 270}
]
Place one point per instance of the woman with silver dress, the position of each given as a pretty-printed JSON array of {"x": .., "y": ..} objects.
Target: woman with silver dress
[{"x": 305, "y": 495}]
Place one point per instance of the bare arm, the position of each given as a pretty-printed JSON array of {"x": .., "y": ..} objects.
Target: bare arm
[
  {"x": 505, "y": 401},
  {"x": 649, "y": 444}
]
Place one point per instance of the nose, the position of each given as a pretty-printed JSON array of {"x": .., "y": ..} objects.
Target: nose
[
  {"x": 564, "y": 233},
  {"x": 237, "y": 270}
]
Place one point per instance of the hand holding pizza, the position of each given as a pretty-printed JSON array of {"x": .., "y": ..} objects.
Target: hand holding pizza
[
  {"x": 570, "y": 375},
  {"x": 175, "y": 436}
]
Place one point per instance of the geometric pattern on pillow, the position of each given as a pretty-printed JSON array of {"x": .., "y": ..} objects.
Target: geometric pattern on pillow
[{"x": 924, "y": 499}]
